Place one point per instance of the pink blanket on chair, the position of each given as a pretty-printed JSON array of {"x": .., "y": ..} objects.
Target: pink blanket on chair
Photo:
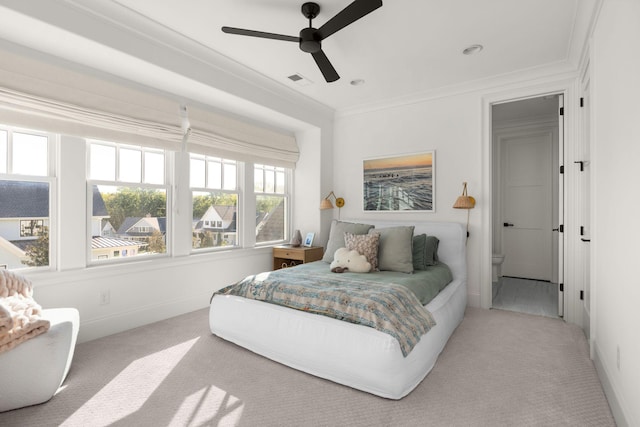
[{"x": 20, "y": 315}]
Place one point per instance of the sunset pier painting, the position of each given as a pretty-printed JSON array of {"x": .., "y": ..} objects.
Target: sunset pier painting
[{"x": 401, "y": 183}]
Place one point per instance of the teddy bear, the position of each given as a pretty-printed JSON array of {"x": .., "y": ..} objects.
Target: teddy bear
[{"x": 346, "y": 260}]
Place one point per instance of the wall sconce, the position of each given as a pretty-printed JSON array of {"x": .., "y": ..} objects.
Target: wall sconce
[
  {"x": 465, "y": 201},
  {"x": 326, "y": 202}
]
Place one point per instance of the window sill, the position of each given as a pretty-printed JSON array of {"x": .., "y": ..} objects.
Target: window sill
[{"x": 49, "y": 278}]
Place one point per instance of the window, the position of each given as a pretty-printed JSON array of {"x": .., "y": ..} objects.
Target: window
[
  {"x": 31, "y": 227},
  {"x": 214, "y": 192},
  {"x": 129, "y": 191},
  {"x": 270, "y": 187},
  {"x": 26, "y": 182}
]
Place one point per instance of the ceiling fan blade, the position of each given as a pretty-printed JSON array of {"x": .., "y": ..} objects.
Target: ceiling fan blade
[
  {"x": 261, "y": 34},
  {"x": 330, "y": 74},
  {"x": 348, "y": 15}
]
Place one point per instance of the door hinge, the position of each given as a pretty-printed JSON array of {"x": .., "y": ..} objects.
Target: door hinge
[
  {"x": 582, "y": 102},
  {"x": 562, "y": 169},
  {"x": 581, "y": 295},
  {"x": 561, "y": 285},
  {"x": 562, "y": 111}
]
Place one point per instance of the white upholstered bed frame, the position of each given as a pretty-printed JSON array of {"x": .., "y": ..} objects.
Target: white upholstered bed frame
[{"x": 346, "y": 353}]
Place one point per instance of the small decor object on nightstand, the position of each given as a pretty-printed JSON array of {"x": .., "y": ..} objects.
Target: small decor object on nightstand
[
  {"x": 308, "y": 241},
  {"x": 296, "y": 239}
]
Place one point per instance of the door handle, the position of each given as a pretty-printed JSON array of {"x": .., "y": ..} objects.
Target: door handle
[{"x": 506, "y": 224}]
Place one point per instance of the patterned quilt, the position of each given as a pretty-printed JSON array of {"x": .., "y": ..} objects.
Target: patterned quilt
[{"x": 389, "y": 308}]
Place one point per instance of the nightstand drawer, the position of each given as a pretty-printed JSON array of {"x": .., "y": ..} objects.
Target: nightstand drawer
[
  {"x": 289, "y": 256},
  {"x": 288, "y": 253}
]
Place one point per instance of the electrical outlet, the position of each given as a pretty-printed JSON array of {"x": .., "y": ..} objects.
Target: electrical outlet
[
  {"x": 105, "y": 297},
  {"x": 618, "y": 357}
]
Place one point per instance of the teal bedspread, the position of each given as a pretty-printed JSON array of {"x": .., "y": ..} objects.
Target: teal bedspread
[
  {"x": 365, "y": 299},
  {"x": 425, "y": 284}
]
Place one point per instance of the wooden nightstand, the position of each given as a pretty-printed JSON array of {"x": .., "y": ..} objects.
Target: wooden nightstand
[{"x": 288, "y": 256}]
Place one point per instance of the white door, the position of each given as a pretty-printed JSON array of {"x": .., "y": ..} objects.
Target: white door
[{"x": 526, "y": 165}]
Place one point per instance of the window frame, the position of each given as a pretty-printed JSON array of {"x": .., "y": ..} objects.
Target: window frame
[
  {"x": 50, "y": 178},
  {"x": 287, "y": 196},
  {"x": 166, "y": 186},
  {"x": 239, "y": 192}
]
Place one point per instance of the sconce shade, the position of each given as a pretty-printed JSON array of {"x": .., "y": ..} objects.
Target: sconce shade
[
  {"x": 326, "y": 203},
  {"x": 464, "y": 201}
]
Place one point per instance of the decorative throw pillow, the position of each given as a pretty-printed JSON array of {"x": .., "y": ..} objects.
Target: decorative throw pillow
[
  {"x": 395, "y": 249},
  {"x": 345, "y": 260},
  {"x": 431, "y": 250},
  {"x": 365, "y": 244},
  {"x": 336, "y": 236},
  {"x": 419, "y": 252}
]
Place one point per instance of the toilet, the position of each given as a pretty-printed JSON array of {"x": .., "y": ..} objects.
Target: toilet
[{"x": 496, "y": 262}]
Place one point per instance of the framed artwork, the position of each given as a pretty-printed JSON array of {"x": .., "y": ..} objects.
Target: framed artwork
[
  {"x": 399, "y": 183},
  {"x": 308, "y": 241}
]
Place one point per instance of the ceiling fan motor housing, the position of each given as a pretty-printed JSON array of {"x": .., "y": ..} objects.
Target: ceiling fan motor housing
[{"x": 309, "y": 41}]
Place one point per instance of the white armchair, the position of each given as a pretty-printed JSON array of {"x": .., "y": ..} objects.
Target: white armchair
[{"x": 32, "y": 372}]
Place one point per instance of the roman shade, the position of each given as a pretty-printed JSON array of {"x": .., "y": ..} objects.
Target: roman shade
[
  {"x": 46, "y": 96},
  {"x": 31, "y": 111},
  {"x": 220, "y": 135}
]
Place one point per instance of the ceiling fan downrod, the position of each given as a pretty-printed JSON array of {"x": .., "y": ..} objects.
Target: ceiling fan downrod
[{"x": 309, "y": 42}]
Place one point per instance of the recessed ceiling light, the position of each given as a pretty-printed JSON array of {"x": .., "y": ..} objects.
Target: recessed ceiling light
[
  {"x": 357, "y": 82},
  {"x": 472, "y": 49}
]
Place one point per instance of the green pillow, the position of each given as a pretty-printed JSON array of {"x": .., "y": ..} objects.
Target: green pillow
[
  {"x": 431, "y": 250},
  {"x": 419, "y": 252},
  {"x": 395, "y": 249}
]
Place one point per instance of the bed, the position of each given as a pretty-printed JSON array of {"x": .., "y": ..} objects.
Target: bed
[{"x": 350, "y": 354}]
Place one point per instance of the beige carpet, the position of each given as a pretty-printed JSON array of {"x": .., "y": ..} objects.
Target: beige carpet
[{"x": 499, "y": 369}]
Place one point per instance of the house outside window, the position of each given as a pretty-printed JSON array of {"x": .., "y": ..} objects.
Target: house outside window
[
  {"x": 271, "y": 190},
  {"x": 31, "y": 227},
  {"x": 27, "y": 180},
  {"x": 215, "y": 195},
  {"x": 130, "y": 201}
]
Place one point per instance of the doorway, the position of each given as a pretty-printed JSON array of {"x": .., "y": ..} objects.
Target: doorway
[{"x": 526, "y": 192}]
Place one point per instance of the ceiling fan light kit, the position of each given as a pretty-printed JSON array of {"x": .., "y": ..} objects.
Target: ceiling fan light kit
[{"x": 310, "y": 39}]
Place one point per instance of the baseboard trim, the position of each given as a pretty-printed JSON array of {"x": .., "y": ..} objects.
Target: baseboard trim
[
  {"x": 616, "y": 404},
  {"x": 123, "y": 321},
  {"x": 473, "y": 300}
]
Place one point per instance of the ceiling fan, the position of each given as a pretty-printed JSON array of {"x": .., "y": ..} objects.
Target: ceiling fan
[{"x": 310, "y": 39}]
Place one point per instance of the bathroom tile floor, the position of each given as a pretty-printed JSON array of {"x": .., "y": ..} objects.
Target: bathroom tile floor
[{"x": 526, "y": 296}]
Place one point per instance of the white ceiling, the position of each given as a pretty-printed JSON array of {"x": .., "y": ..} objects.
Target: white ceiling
[{"x": 403, "y": 48}]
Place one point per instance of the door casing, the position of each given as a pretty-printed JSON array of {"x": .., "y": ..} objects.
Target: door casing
[{"x": 569, "y": 88}]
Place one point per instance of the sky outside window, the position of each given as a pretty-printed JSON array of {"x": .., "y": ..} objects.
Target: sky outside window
[{"x": 30, "y": 154}]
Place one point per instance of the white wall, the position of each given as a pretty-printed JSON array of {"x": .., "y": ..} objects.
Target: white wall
[
  {"x": 451, "y": 126},
  {"x": 615, "y": 74}
]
